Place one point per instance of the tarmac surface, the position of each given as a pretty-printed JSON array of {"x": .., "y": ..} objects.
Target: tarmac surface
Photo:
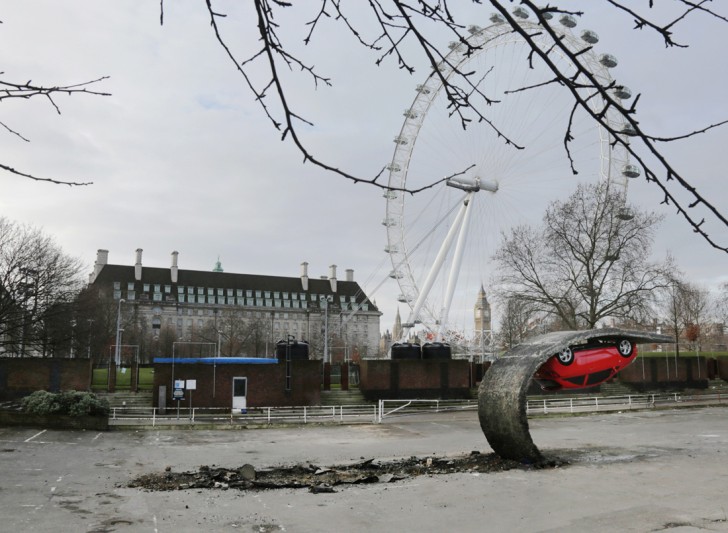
[{"x": 663, "y": 470}]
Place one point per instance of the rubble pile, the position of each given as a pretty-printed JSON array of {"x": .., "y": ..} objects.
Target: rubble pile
[{"x": 323, "y": 479}]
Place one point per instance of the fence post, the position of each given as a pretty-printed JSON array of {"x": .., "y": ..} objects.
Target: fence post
[
  {"x": 571, "y": 405},
  {"x": 269, "y": 416},
  {"x": 154, "y": 416},
  {"x": 545, "y": 409},
  {"x": 304, "y": 414},
  {"x": 596, "y": 402}
]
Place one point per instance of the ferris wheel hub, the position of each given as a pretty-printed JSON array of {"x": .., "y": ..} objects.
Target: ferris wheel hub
[{"x": 473, "y": 185}]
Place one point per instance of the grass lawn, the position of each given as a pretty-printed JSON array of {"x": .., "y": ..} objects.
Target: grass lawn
[{"x": 100, "y": 378}]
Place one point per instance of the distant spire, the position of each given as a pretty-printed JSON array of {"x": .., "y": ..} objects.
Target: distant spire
[
  {"x": 481, "y": 295},
  {"x": 218, "y": 266},
  {"x": 397, "y": 329}
]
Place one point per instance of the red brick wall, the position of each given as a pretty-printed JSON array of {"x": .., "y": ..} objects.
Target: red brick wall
[
  {"x": 266, "y": 383},
  {"x": 386, "y": 378},
  {"x": 689, "y": 370},
  {"x": 21, "y": 376}
]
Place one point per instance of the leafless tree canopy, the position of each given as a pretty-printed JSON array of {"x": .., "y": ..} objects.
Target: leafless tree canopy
[
  {"x": 38, "y": 284},
  {"x": 585, "y": 263},
  {"x": 405, "y": 33}
]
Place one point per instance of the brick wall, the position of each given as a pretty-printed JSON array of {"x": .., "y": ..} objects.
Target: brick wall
[
  {"x": 386, "y": 378},
  {"x": 266, "y": 383},
  {"x": 21, "y": 376},
  {"x": 662, "y": 370}
]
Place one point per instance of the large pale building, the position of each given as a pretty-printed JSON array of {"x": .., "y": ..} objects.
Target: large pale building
[{"x": 333, "y": 315}]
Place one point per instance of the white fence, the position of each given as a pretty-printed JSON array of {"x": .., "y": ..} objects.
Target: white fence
[
  {"x": 387, "y": 409},
  {"x": 617, "y": 403},
  {"x": 257, "y": 415}
]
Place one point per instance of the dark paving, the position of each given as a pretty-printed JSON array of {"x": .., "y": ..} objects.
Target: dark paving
[{"x": 631, "y": 471}]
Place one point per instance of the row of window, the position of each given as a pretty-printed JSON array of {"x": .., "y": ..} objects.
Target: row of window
[
  {"x": 201, "y": 323},
  {"x": 229, "y": 293},
  {"x": 243, "y": 302}
]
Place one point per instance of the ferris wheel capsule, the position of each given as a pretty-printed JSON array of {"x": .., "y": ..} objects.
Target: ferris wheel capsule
[
  {"x": 631, "y": 171},
  {"x": 589, "y": 36},
  {"x": 520, "y": 13},
  {"x": 497, "y": 18},
  {"x": 608, "y": 60},
  {"x": 568, "y": 21},
  {"x": 622, "y": 92}
]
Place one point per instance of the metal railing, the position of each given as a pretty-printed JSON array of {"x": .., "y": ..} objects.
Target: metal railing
[
  {"x": 385, "y": 409},
  {"x": 617, "y": 403},
  {"x": 388, "y": 408},
  {"x": 256, "y": 415}
]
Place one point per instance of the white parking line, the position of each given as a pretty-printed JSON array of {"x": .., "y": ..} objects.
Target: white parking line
[{"x": 34, "y": 436}]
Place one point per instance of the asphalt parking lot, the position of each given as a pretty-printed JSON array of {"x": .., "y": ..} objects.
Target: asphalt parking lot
[{"x": 633, "y": 471}]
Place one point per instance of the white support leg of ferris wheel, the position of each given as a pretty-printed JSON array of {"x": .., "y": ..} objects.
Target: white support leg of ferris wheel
[
  {"x": 455, "y": 267},
  {"x": 435, "y": 269}
]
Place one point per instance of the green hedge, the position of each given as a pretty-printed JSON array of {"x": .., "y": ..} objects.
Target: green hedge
[{"x": 72, "y": 403}]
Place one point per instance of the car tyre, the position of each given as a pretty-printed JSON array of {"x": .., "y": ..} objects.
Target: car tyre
[
  {"x": 625, "y": 348},
  {"x": 565, "y": 356}
]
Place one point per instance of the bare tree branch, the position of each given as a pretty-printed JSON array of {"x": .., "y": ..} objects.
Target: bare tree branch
[
  {"x": 25, "y": 91},
  {"x": 400, "y": 24}
]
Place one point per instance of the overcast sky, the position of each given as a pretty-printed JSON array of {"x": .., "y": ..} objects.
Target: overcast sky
[{"x": 182, "y": 158}]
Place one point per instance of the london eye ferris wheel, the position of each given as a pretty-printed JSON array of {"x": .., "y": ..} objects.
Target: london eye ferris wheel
[{"x": 504, "y": 167}]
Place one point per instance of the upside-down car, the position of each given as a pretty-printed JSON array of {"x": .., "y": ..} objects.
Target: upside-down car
[{"x": 585, "y": 365}]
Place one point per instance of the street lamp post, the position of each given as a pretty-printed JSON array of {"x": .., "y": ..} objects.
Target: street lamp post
[
  {"x": 325, "y": 303},
  {"x": 117, "y": 354}
]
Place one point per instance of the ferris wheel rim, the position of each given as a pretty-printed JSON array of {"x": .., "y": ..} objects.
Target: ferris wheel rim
[{"x": 427, "y": 93}]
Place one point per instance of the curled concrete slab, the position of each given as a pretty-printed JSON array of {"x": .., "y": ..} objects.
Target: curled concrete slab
[{"x": 502, "y": 393}]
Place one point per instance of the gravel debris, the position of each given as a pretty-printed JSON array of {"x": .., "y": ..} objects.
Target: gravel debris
[{"x": 319, "y": 479}]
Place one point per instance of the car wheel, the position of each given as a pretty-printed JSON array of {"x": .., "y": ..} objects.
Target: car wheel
[
  {"x": 625, "y": 348},
  {"x": 565, "y": 356}
]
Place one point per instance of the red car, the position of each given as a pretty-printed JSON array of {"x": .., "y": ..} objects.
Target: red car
[{"x": 586, "y": 365}]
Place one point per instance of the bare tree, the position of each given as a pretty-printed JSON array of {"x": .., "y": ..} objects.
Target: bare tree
[
  {"x": 23, "y": 91},
  {"x": 516, "y": 322},
  {"x": 722, "y": 303},
  {"x": 697, "y": 303},
  {"x": 586, "y": 263},
  {"x": 409, "y": 33},
  {"x": 37, "y": 281},
  {"x": 674, "y": 307}
]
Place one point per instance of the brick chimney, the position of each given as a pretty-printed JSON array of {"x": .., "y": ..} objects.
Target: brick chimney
[
  {"x": 102, "y": 258},
  {"x": 138, "y": 265},
  {"x": 332, "y": 277},
  {"x": 304, "y": 275},
  {"x": 349, "y": 274},
  {"x": 174, "y": 269}
]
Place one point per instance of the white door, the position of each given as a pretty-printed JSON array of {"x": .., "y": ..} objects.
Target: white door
[{"x": 240, "y": 391}]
